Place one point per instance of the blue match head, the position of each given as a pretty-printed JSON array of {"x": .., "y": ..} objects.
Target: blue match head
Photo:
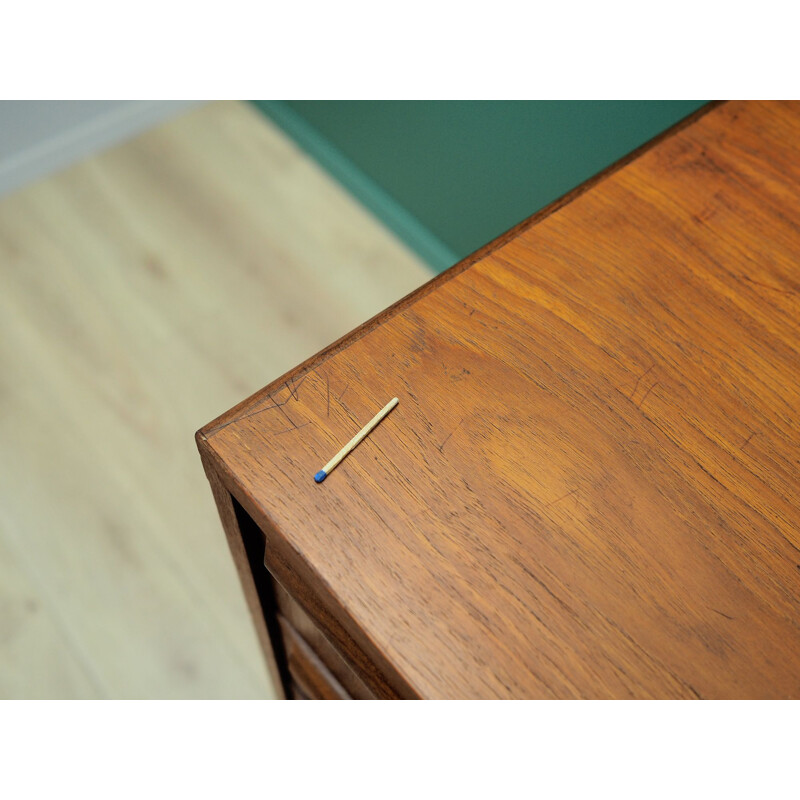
[{"x": 320, "y": 476}]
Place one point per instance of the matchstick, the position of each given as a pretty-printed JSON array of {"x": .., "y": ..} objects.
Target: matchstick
[{"x": 355, "y": 441}]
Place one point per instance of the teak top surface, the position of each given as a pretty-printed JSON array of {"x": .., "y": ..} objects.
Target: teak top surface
[{"x": 590, "y": 485}]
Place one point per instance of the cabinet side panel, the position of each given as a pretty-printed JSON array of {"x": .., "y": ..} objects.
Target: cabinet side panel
[{"x": 246, "y": 543}]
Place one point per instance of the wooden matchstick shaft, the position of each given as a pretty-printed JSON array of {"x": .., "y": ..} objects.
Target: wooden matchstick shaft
[{"x": 334, "y": 462}]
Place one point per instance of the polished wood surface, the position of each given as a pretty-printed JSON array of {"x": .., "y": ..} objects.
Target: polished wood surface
[
  {"x": 590, "y": 485},
  {"x": 131, "y": 287}
]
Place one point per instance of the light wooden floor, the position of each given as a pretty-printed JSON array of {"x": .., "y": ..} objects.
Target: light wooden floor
[{"x": 142, "y": 292}]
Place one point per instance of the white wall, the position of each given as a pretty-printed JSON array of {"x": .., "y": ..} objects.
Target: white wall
[{"x": 38, "y": 137}]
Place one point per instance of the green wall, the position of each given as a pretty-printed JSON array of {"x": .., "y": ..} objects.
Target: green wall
[{"x": 449, "y": 176}]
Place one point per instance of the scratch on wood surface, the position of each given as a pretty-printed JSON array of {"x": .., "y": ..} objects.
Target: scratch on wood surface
[
  {"x": 286, "y": 414},
  {"x": 447, "y": 438},
  {"x": 639, "y": 404},
  {"x": 639, "y": 379},
  {"x": 563, "y": 497},
  {"x": 747, "y": 441},
  {"x": 295, "y": 428},
  {"x": 294, "y": 391},
  {"x": 275, "y": 404}
]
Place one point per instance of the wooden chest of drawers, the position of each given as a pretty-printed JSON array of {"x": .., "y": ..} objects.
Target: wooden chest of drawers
[{"x": 590, "y": 485}]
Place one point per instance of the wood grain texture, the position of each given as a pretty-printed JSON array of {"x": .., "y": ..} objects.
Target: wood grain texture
[
  {"x": 590, "y": 485},
  {"x": 326, "y": 652},
  {"x": 131, "y": 288},
  {"x": 308, "y": 672},
  {"x": 246, "y": 544}
]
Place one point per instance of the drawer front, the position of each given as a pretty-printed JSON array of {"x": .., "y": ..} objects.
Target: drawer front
[
  {"x": 298, "y": 693},
  {"x": 308, "y": 673},
  {"x": 318, "y": 643}
]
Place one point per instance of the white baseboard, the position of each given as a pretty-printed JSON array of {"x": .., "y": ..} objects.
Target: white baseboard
[{"x": 41, "y": 137}]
